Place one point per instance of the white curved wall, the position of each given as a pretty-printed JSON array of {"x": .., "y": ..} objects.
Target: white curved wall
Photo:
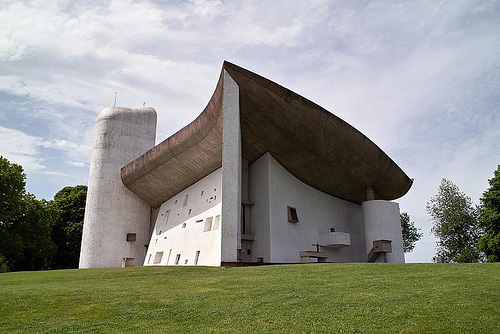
[
  {"x": 112, "y": 211},
  {"x": 382, "y": 221},
  {"x": 273, "y": 188}
]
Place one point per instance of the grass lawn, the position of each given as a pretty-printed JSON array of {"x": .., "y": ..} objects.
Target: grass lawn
[{"x": 316, "y": 298}]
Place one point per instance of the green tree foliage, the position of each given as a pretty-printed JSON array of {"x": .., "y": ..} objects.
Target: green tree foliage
[
  {"x": 12, "y": 183},
  {"x": 67, "y": 230},
  {"x": 410, "y": 233},
  {"x": 455, "y": 223},
  {"x": 25, "y": 223},
  {"x": 489, "y": 219}
]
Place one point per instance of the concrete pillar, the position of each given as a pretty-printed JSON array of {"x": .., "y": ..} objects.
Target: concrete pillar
[
  {"x": 231, "y": 171},
  {"x": 112, "y": 211},
  {"x": 382, "y": 222},
  {"x": 370, "y": 194}
]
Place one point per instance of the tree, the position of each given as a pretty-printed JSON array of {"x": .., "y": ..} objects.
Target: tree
[
  {"x": 25, "y": 223},
  {"x": 489, "y": 219},
  {"x": 455, "y": 223},
  {"x": 12, "y": 184},
  {"x": 67, "y": 230},
  {"x": 410, "y": 233}
]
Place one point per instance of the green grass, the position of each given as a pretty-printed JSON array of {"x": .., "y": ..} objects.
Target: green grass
[{"x": 316, "y": 298}]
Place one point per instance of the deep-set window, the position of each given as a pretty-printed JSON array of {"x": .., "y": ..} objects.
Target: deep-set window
[
  {"x": 292, "y": 214},
  {"x": 196, "y": 257},
  {"x": 208, "y": 224},
  {"x": 216, "y": 222},
  {"x": 158, "y": 257}
]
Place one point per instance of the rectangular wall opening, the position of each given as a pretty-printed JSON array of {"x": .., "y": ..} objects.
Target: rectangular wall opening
[
  {"x": 177, "y": 258},
  {"x": 292, "y": 214},
  {"x": 129, "y": 262},
  {"x": 216, "y": 222},
  {"x": 208, "y": 224},
  {"x": 196, "y": 257},
  {"x": 158, "y": 257}
]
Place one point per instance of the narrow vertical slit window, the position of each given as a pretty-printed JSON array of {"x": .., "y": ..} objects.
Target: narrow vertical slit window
[
  {"x": 177, "y": 258},
  {"x": 185, "y": 200},
  {"x": 196, "y": 257},
  {"x": 167, "y": 213},
  {"x": 216, "y": 222},
  {"x": 169, "y": 252}
]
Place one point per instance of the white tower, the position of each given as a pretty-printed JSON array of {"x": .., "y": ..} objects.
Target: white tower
[{"x": 116, "y": 223}]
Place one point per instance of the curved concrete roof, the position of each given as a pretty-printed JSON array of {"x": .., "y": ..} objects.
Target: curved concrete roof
[{"x": 314, "y": 145}]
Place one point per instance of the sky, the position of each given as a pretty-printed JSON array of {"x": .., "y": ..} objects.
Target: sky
[{"x": 421, "y": 79}]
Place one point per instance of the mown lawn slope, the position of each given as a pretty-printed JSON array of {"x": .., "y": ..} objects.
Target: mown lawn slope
[{"x": 316, "y": 298}]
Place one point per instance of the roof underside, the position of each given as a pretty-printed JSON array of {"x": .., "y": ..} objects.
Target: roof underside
[{"x": 314, "y": 145}]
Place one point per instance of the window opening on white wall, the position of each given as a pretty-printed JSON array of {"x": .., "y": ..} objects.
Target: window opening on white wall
[
  {"x": 158, "y": 257},
  {"x": 292, "y": 214},
  {"x": 199, "y": 221},
  {"x": 189, "y": 212},
  {"x": 183, "y": 225},
  {"x": 216, "y": 222},
  {"x": 202, "y": 192},
  {"x": 175, "y": 202},
  {"x": 149, "y": 258},
  {"x": 177, "y": 258},
  {"x": 169, "y": 252},
  {"x": 208, "y": 224},
  {"x": 166, "y": 215},
  {"x": 186, "y": 261},
  {"x": 196, "y": 257},
  {"x": 185, "y": 200}
]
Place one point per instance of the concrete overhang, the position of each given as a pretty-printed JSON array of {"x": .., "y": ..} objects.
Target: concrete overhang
[{"x": 314, "y": 145}]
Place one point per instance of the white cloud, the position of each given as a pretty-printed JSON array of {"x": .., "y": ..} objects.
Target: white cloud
[
  {"x": 421, "y": 79},
  {"x": 20, "y": 148}
]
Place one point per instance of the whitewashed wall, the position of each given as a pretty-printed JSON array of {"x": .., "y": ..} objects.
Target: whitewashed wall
[
  {"x": 382, "y": 222},
  {"x": 273, "y": 188},
  {"x": 179, "y": 228},
  {"x": 112, "y": 211}
]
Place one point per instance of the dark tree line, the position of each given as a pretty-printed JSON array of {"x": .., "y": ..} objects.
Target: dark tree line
[{"x": 38, "y": 234}]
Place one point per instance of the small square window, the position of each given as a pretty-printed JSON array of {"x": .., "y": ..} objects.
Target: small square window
[
  {"x": 292, "y": 214},
  {"x": 131, "y": 237},
  {"x": 183, "y": 225},
  {"x": 186, "y": 261}
]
